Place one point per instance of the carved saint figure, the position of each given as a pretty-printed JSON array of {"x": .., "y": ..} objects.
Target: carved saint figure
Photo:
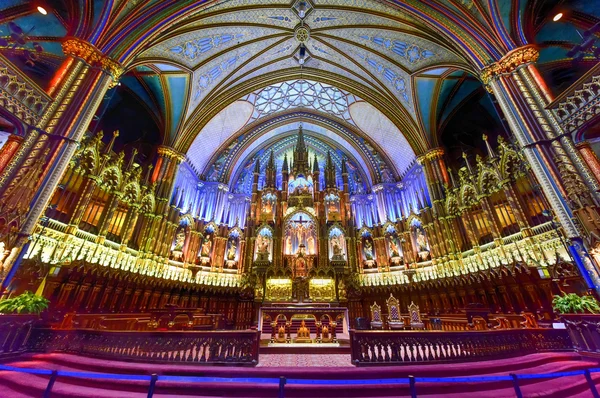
[
  {"x": 337, "y": 247},
  {"x": 263, "y": 244},
  {"x": 206, "y": 244},
  {"x": 368, "y": 250},
  {"x": 394, "y": 250},
  {"x": 288, "y": 245},
  {"x": 311, "y": 245},
  {"x": 232, "y": 250},
  {"x": 421, "y": 240}
]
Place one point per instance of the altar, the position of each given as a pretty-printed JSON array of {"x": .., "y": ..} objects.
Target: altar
[{"x": 287, "y": 323}]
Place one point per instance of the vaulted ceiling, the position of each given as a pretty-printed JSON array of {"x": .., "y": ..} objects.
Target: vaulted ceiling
[{"x": 388, "y": 79}]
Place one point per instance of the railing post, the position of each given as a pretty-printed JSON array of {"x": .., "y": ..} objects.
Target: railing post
[
  {"x": 515, "y": 380},
  {"x": 153, "y": 380},
  {"x": 53, "y": 377},
  {"x": 282, "y": 381},
  {"x": 591, "y": 384},
  {"x": 413, "y": 387}
]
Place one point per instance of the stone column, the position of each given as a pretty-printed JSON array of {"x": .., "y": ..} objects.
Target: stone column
[
  {"x": 9, "y": 149},
  {"x": 78, "y": 89},
  {"x": 587, "y": 153},
  {"x": 564, "y": 178}
]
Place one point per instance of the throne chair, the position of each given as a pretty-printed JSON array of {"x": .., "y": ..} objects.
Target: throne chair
[
  {"x": 394, "y": 318},
  {"x": 415, "y": 317},
  {"x": 376, "y": 322}
]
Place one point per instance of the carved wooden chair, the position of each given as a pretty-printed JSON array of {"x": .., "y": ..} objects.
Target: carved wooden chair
[
  {"x": 394, "y": 318},
  {"x": 376, "y": 322},
  {"x": 415, "y": 317}
]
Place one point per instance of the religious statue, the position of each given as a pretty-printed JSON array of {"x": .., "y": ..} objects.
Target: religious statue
[
  {"x": 421, "y": 240},
  {"x": 311, "y": 245},
  {"x": 206, "y": 244},
  {"x": 368, "y": 249},
  {"x": 263, "y": 245},
  {"x": 338, "y": 252},
  {"x": 288, "y": 245},
  {"x": 394, "y": 250},
  {"x": 303, "y": 335},
  {"x": 3, "y": 253},
  {"x": 232, "y": 250},
  {"x": 268, "y": 206},
  {"x": 262, "y": 251}
]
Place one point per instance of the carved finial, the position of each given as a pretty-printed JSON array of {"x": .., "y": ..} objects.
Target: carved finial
[
  {"x": 451, "y": 174},
  {"x": 109, "y": 147},
  {"x": 464, "y": 155},
  {"x": 489, "y": 147},
  {"x": 134, "y": 153},
  {"x": 148, "y": 173}
]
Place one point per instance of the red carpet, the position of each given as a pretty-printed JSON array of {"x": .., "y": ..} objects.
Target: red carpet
[{"x": 18, "y": 385}]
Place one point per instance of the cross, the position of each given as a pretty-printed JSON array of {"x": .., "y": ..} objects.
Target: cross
[{"x": 301, "y": 221}]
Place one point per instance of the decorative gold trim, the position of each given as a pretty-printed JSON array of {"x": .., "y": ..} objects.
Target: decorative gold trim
[
  {"x": 170, "y": 153},
  {"x": 93, "y": 57},
  {"x": 510, "y": 62}
]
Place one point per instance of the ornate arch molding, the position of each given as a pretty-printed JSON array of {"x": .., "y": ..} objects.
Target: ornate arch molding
[
  {"x": 393, "y": 109},
  {"x": 263, "y": 126}
]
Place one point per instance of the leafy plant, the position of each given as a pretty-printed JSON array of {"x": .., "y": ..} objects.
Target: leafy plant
[
  {"x": 26, "y": 303},
  {"x": 572, "y": 304}
]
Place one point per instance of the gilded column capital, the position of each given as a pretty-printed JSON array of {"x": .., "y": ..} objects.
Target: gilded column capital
[
  {"x": 170, "y": 153},
  {"x": 433, "y": 154},
  {"x": 510, "y": 62},
  {"x": 92, "y": 56}
]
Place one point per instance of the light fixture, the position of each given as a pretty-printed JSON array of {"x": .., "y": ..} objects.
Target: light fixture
[
  {"x": 42, "y": 10},
  {"x": 302, "y": 9},
  {"x": 557, "y": 17},
  {"x": 302, "y": 54}
]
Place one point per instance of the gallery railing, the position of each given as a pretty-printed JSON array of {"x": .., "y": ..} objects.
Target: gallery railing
[
  {"x": 15, "y": 331},
  {"x": 399, "y": 347},
  {"x": 203, "y": 347}
]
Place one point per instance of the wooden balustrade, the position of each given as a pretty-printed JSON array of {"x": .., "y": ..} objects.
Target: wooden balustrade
[
  {"x": 203, "y": 347},
  {"x": 15, "y": 331},
  {"x": 399, "y": 347},
  {"x": 584, "y": 330}
]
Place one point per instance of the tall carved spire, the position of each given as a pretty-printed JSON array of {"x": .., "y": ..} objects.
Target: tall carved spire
[
  {"x": 301, "y": 165},
  {"x": 330, "y": 172},
  {"x": 270, "y": 172},
  {"x": 285, "y": 167}
]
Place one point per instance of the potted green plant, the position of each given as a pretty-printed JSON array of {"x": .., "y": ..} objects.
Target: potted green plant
[
  {"x": 579, "y": 316},
  {"x": 571, "y": 303},
  {"x": 26, "y": 303}
]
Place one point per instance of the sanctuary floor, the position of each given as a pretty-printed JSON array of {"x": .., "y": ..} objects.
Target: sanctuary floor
[{"x": 19, "y": 385}]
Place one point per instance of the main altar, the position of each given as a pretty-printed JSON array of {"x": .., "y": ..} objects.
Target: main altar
[{"x": 299, "y": 221}]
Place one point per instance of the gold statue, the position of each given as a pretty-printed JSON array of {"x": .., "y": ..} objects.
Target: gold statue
[{"x": 303, "y": 335}]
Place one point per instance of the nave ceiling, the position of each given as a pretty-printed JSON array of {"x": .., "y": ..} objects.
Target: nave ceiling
[{"x": 397, "y": 77}]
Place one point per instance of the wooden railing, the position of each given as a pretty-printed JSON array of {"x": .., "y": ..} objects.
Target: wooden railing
[
  {"x": 203, "y": 347},
  {"x": 15, "y": 331},
  {"x": 584, "y": 331},
  {"x": 400, "y": 347}
]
